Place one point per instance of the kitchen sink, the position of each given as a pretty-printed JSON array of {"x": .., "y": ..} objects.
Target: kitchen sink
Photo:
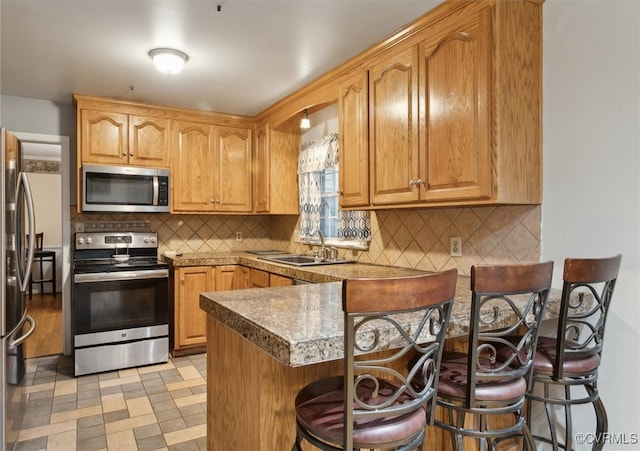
[{"x": 302, "y": 260}]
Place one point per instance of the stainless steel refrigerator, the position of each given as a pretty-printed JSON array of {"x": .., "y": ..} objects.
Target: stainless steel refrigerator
[{"x": 17, "y": 221}]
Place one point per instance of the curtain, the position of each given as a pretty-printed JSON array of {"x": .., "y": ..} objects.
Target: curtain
[{"x": 316, "y": 156}]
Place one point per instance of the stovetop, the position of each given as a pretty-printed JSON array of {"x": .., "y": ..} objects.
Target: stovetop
[
  {"x": 94, "y": 265},
  {"x": 94, "y": 250}
]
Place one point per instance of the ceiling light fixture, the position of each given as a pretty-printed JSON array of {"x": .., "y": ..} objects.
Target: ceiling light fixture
[
  {"x": 168, "y": 61},
  {"x": 305, "y": 123}
]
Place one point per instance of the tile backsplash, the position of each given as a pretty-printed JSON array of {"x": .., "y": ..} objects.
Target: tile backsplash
[{"x": 406, "y": 238}]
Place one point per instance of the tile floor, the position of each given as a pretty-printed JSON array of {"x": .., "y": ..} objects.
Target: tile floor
[{"x": 157, "y": 407}]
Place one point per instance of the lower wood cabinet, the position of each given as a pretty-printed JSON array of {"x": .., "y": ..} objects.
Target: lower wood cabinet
[
  {"x": 189, "y": 331},
  {"x": 264, "y": 279}
]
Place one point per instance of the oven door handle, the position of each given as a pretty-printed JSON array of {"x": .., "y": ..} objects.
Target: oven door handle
[{"x": 121, "y": 275}]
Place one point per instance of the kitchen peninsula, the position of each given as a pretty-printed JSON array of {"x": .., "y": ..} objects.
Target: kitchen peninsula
[{"x": 265, "y": 344}]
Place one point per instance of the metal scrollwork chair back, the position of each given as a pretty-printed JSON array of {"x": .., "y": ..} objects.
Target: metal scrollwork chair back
[{"x": 378, "y": 402}]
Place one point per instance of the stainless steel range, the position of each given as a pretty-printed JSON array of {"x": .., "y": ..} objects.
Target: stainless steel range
[{"x": 120, "y": 301}]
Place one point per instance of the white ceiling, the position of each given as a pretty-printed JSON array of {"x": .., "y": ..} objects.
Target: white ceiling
[{"x": 243, "y": 59}]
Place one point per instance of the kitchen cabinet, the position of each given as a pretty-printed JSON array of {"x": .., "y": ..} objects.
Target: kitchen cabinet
[
  {"x": 258, "y": 278},
  {"x": 275, "y": 168},
  {"x": 276, "y": 280},
  {"x": 353, "y": 114},
  {"x": 211, "y": 168},
  {"x": 454, "y": 112},
  {"x": 190, "y": 331},
  {"x": 109, "y": 137},
  {"x": 265, "y": 279},
  {"x": 393, "y": 126},
  {"x": 455, "y": 121}
]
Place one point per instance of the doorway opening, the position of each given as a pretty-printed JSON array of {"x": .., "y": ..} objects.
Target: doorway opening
[{"x": 46, "y": 161}]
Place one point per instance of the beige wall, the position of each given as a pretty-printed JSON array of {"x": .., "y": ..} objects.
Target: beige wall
[
  {"x": 405, "y": 238},
  {"x": 46, "y": 190}
]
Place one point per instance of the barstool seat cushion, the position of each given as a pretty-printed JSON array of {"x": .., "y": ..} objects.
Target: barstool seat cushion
[
  {"x": 320, "y": 410},
  {"x": 453, "y": 381},
  {"x": 546, "y": 355}
]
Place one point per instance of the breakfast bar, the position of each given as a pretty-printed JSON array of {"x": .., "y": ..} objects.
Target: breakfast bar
[{"x": 265, "y": 344}]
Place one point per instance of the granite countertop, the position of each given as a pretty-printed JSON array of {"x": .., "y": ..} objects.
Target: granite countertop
[
  {"x": 314, "y": 274},
  {"x": 303, "y": 324}
]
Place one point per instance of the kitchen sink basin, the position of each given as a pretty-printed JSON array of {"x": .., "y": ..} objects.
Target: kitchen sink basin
[{"x": 301, "y": 260}]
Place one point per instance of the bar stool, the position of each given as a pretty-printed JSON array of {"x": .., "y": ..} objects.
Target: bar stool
[
  {"x": 375, "y": 403},
  {"x": 40, "y": 257},
  {"x": 571, "y": 358},
  {"x": 475, "y": 387}
]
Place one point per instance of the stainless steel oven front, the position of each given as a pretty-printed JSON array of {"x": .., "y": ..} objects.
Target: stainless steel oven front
[{"x": 120, "y": 319}]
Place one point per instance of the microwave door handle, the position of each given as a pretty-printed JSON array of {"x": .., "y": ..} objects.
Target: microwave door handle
[
  {"x": 23, "y": 186},
  {"x": 156, "y": 188}
]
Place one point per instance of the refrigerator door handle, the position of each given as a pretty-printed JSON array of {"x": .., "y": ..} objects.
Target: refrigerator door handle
[
  {"x": 23, "y": 182},
  {"x": 18, "y": 341}
]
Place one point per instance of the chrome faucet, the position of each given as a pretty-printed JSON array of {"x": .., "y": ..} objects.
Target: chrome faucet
[{"x": 324, "y": 253}]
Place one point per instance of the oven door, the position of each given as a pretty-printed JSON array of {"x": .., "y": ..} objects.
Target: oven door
[{"x": 113, "y": 301}]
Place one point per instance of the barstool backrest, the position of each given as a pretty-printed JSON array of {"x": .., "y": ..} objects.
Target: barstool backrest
[
  {"x": 582, "y": 319},
  {"x": 38, "y": 245},
  {"x": 507, "y": 301},
  {"x": 373, "y": 310}
]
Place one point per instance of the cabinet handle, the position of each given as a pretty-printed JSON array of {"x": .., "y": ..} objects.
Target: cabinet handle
[
  {"x": 416, "y": 182},
  {"x": 124, "y": 154},
  {"x": 182, "y": 279},
  {"x": 130, "y": 154},
  {"x": 213, "y": 201}
]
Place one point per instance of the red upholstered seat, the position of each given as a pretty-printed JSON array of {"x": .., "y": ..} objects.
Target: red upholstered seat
[{"x": 320, "y": 409}]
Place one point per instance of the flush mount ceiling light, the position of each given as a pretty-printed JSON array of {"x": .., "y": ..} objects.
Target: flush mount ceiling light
[
  {"x": 168, "y": 61},
  {"x": 305, "y": 123}
]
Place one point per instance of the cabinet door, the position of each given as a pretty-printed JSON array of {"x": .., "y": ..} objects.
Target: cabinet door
[
  {"x": 276, "y": 280},
  {"x": 148, "y": 141},
  {"x": 455, "y": 84},
  {"x": 193, "y": 157},
  {"x": 261, "y": 171},
  {"x": 226, "y": 277},
  {"x": 259, "y": 278},
  {"x": 354, "y": 140},
  {"x": 234, "y": 169},
  {"x": 104, "y": 137},
  {"x": 393, "y": 127},
  {"x": 191, "y": 323},
  {"x": 243, "y": 279}
]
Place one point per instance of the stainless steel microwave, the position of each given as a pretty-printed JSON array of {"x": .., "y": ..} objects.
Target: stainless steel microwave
[{"x": 125, "y": 189}]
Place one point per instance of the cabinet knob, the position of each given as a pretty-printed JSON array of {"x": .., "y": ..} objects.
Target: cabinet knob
[
  {"x": 124, "y": 154},
  {"x": 213, "y": 201},
  {"x": 130, "y": 154}
]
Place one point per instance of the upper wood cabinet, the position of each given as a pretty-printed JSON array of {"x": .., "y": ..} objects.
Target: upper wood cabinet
[
  {"x": 275, "y": 165},
  {"x": 353, "y": 115},
  {"x": 393, "y": 126},
  {"x": 122, "y": 139},
  {"x": 193, "y": 159},
  {"x": 233, "y": 169},
  {"x": 454, "y": 111},
  {"x": 211, "y": 168},
  {"x": 261, "y": 170}
]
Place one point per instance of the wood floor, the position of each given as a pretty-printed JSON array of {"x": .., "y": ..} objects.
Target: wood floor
[{"x": 46, "y": 309}]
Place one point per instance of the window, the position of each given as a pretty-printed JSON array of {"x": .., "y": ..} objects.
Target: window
[
  {"x": 318, "y": 172},
  {"x": 329, "y": 205}
]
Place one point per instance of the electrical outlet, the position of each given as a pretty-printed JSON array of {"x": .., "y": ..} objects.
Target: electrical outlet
[
  {"x": 79, "y": 227},
  {"x": 455, "y": 246},
  {"x": 238, "y": 236}
]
